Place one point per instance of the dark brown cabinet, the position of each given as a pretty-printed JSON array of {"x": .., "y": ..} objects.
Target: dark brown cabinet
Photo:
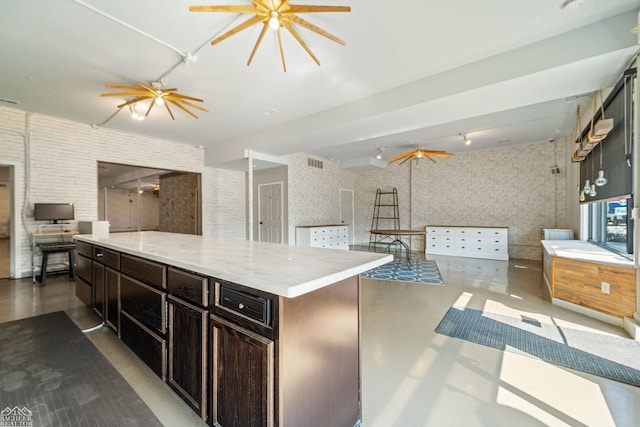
[
  {"x": 98, "y": 289},
  {"x": 84, "y": 273},
  {"x": 187, "y": 353},
  {"x": 112, "y": 302},
  {"x": 242, "y": 380}
]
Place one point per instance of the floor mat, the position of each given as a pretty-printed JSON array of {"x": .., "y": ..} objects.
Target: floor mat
[
  {"x": 419, "y": 271},
  {"x": 52, "y": 375},
  {"x": 605, "y": 355}
]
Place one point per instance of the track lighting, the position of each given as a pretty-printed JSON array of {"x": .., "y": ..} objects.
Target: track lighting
[
  {"x": 600, "y": 180},
  {"x": 466, "y": 140},
  {"x": 593, "y": 192},
  {"x": 587, "y": 187},
  {"x": 380, "y": 151}
]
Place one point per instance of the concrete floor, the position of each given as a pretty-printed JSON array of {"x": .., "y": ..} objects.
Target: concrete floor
[{"x": 411, "y": 375}]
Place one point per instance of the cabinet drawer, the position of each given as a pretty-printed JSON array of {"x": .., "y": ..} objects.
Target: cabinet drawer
[
  {"x": 143, "y": 303},
  {"x": 149, "y": 272},
  {"x": 149, "y": 347},
  {"x": 188, "y": 286},
  {"x": 252, "y": 306},
  {"x": 107, "y": 257},
  {"x": 84, "y": 269},
  {"x": 83, "y": 248}
]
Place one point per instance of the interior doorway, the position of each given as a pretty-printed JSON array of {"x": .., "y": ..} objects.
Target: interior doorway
[
  {"x": 270, "y": 222},
  {"x": 5, "y": 222},
  {"x": 347, "y": 215}
]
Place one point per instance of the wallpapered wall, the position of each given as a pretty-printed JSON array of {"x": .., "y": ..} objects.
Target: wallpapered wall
[
  {"x": 314, "y": 194},
  {"x": 508, "y": 187},
  {"x": 180, "y": 203}
]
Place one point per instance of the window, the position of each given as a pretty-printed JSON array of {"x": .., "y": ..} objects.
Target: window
[{"x": 609, "y": 224}]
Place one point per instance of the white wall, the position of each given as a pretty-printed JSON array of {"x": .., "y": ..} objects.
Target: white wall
[{"x": 63, "y": 158}]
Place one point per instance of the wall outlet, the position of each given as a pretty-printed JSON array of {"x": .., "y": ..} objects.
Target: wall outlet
[{"x": 605, "y": 287}]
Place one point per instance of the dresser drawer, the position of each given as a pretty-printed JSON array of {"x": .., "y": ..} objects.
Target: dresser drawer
[
  {"x": 84, "y": 268},
  {"x": 189, "y": 286},
  {"x": 253, "y": 306},
  {"x": 144, "y": 303},
  {"x": 149, "y": 272}
]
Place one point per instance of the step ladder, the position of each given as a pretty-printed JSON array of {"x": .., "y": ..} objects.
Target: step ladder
[{"x": 386, "y": 216}]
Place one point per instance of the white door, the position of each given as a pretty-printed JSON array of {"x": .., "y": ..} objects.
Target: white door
[
  {"x": 5, "y": 222},
  {"x": 346, "y": 212},
  {"x": 270, "y": 212}
]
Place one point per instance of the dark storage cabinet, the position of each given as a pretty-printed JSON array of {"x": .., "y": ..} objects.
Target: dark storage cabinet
[
  {"x": 149, "y": 272},
  {"x": 112, "y": 294},
  {"x": 84, "y": 272},
  {"x": 148, "y": 346},
  {"x": 187, "y": 353},
  {"x": 144, "y": 303},
  {"x": 242, "y": 379},
  {"x": 98, "y": 289}
]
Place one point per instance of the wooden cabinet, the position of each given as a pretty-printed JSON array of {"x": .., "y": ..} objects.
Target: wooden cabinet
[
  {"x": 112, "y": 301},
  {"x": 187, "y": 353},
  {"x": 84, "y": 275},
  {"x": 145, "y": 343},
  {"x": 242, "y": 380},
  {"x": 98, "y": 289},
  {"x": 471, "y": 242}
]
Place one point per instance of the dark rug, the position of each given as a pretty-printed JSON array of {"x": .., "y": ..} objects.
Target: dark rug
[
  {"x": 607, "y": 356},
  {"x": 52, "y": 375},
  {"x": 418, "y": 270}
]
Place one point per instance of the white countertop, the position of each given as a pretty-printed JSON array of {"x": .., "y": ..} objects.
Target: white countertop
[
  {"x": 284, "y": 270},
  {"x": 584, "y": 251}
]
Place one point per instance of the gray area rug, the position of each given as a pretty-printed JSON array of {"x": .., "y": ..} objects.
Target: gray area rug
[
  {"x": 419, "y": 271},
  {"x": 52, "y": 375},
  {"x": 607, "y": 356}
]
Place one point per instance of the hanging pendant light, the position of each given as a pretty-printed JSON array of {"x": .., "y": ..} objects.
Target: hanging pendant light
[
  {"x": 582, "y": 197},
  {"x": 587, "y": 186},
  {"x": 600, "y": 180},
  {"x": 593, "y": 192}
]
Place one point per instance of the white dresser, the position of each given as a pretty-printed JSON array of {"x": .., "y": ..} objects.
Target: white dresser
[
  {"x": 472, "y": 242},
  {"x": 335, "y": 236}
]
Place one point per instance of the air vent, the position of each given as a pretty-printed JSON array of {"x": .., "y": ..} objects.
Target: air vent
[
  {"x": 314, "y": 163},
  {"x": 9, "y": 101}
]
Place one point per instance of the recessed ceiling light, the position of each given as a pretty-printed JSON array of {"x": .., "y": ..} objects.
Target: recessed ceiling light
[{"x": 572, "y": 4}]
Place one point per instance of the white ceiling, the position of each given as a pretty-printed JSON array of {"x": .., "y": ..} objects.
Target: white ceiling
[{"x": 413, "y": 72}]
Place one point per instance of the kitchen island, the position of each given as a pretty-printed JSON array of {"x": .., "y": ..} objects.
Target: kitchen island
[{"x": 247, "y": 333}]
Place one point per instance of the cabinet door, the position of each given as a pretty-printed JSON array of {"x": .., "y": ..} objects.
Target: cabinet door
[
  {"x": 242, "y": 389},
  {"x": 112, "y": 292},
  {"x": 98, "y": 289},
  {"x": 187, "y": 342}
]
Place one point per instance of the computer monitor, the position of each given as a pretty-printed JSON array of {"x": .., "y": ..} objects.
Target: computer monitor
[{"x": 53, "y": 212}]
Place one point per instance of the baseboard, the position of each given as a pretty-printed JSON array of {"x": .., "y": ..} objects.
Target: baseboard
[{"x": 588, "y": 312}]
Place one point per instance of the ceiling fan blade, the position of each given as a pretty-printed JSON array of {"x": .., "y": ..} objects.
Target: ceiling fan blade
[
  {"x": 405, "y": 160},
  {"x": 303, "y": 8},
  {"x": 265, "y": 27},
  {"x": 177, "y": 104},
  {"x": 308, "y": 25},
  {"x": 246, "y": 24},
  {"x": 190, "y": 104},
  {"x": 153, "y": 102},
  {"x": 166, "y": 105},
  {"x": 295, "y": 34},
  {"x": 178, "y": 96},
  {"x": 133, "y": 101},
  {"x": 429, "y": 157},
  {"x": 233, "y": 9},
  {"x": 284, "y": 65}
]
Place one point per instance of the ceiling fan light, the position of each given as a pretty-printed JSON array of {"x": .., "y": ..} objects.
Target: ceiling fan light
[
  {"x": 419, "y": 155},
  {"x": 159, "y": 100},
  {"x": 134, "y": 113},
  {"x": 274, "y": 21},
  {"x": 600, "y": 180}
]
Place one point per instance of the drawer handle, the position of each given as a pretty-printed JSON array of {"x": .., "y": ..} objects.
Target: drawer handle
[
  {"x": 241, "y": 306},
  {"x": 99, "y": 255}
]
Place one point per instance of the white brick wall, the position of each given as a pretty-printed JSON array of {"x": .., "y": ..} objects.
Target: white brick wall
[{"x": 63, "y": 163}]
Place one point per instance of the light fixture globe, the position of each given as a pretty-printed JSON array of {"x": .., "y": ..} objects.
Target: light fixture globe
[
  {"x": 587, "y": 187},
  {"x": 600, "y": 180},
  {"x": 593, "y": 192}
]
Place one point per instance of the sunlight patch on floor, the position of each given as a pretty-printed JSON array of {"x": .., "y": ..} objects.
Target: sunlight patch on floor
[{"x": 548, "y": 393}]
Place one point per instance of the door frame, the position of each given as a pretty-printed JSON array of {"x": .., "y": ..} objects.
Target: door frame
[
  {"x": 281, "y": 184},
  {"x": 352, "y": 220},
  {"x": 15, "y": 245}
]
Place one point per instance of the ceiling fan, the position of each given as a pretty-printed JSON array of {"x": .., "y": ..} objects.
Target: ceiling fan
[
  {"x": 275, "y": 14},
  {"x": 160, "y": 96},
  {"x": 421, "y": 153}
]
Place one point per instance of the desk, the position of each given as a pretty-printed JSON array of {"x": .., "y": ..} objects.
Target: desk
[
  {"x": 49, "y": 236},
  {"x": 397, "y": 240}
]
